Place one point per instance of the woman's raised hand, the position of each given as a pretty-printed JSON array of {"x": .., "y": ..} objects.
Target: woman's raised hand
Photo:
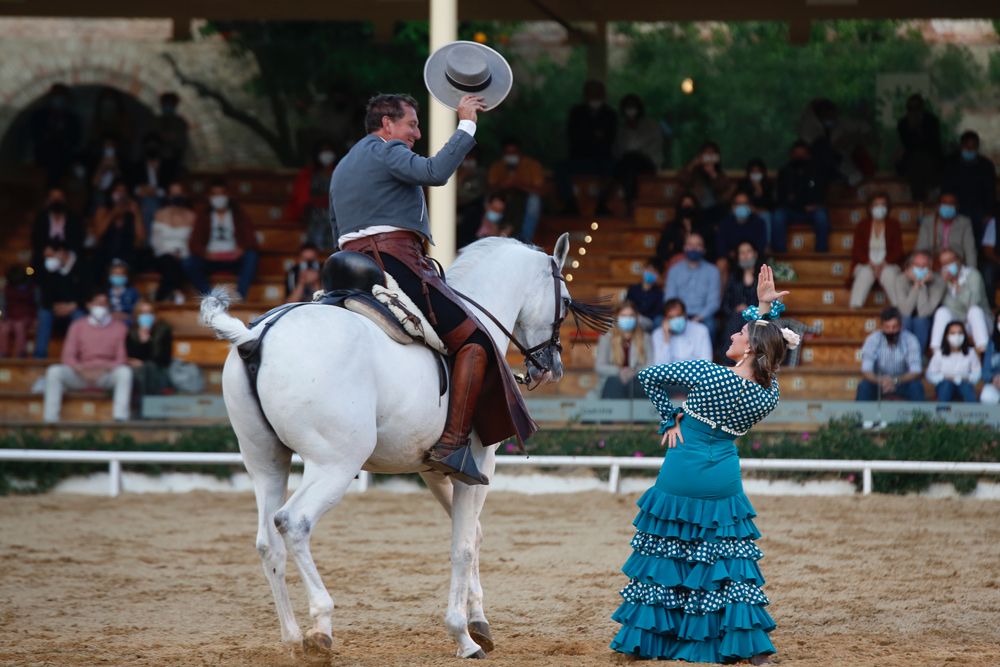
[{"x": 766, "y": 292}]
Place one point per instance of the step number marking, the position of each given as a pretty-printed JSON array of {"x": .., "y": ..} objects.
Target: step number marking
[
  {"x": 852, "y": 383},
  {"x": 183, "y": 349},
  {"x": 637, "y": 268},
  {"x": 857, "y": 354},
  {"x": 855, "y": 216},
  {"x": 798, "y": 242},
  {"x": 807, "y": 355},
  {"x": 648, "y": 241},
  {"x": 870, "y": 325},
  {"x": 245, "y": 187},
  {"x": 5, "y": 375},
  {"x": 798, "y": 383},
  {"x": 88, "y": 409},
  {"x": 828, "y": 297},
  {"x": 661, "y": 215},
  {"x": 837, "y": 268}
]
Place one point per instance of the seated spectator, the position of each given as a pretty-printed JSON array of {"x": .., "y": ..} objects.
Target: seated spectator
[
  {"x": 149, "y": 347},
  {"x": 890, "y": 362},
  {"x": 760, "y": 189},
  {"x": 920, "y": 138},
  {"x": 591, "y": 128},
  {"x": 989, "y": 261},
  {"x": 118, "y": 229},
  {"x": 18, "y": 312},
  {"x": 471, "y": 185},
  {"x": 973, "y": 178},
  {"x": 303, "y": 278},
  {"x": 945, "y": 228},
  {"x": 93, "y": 355},
  {"x": 63, "y": 286},
  {"x": 678, "y": 338},
  {"x": 705, "y": 177},
  {"x": 107, "y": 168},
  {"x": 149, "y": 179},
  {"x": 172, "y": 227},
  {"x": 801, "y": 193},
  {"x": 53, "y": 223},
  {"x": 520, "y": 179},
  {"x": 741, "y": 225},
  {"x": 741, "y": 290},
  {"x": 954, "y": 368},
  {"x": 877, "y": 252},
  {"x": 223, "y": 239},
  {"x": 687, "y": 220},
  {"x": 310, "y": 202},
  {"x": 638, "y": 147},
  {"x": 918, "y": 293},
  {"x": 647, "y": 296},
  {"x": 122, "y": 297},
  {"x": 494, "y": 221},
  {"x": 621, "y": 353},
  {"x": 991, "y": 366},
  {"x": 964, "y": 301},
  {"x": 697, "y": 283}
]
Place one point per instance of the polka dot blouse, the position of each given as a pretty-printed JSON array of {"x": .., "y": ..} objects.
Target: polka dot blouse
[{"x": 717, "y": 396}]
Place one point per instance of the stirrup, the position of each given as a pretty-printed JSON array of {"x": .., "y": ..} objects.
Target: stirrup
[{"x": 461, "y": 465}]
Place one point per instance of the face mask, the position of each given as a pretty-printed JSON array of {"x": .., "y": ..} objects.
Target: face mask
[
  {"x": 326, "y": 158},
  {"x": 956, "y": 341},
  {"x": 99, "y": 313},
  {"x": 595, "y": 105},
  {"x": 741, "y": 211},
  {"x": 694, "y": 255},
  {"x": 947, "y": 211},
  {"x": 52, "y": 264},
  {"x": 305, "y": 266},
  {"x": 494, "y": 216},
  {"x": 879, "y": 212},
  {"x": 219, "y": 202},
  {"x": 951, "y": 269},
  {"x": 109, "y": 151},
  {"x": 631, "y": 113},
  {"x": 512, "y": 160},
  {"x": 57, "y": 207},
  {"x": 649, "y": 277},
  {"x": 677, "y": 324},
  {"x": 179, "y": 201},
  {"x": 118, "y": 197},
  {"x": 757, "y": 177},
  {"x": 747, "y": 264},
  {"x": 969, "y": 155},
  {"x": 146, "y": 320},
  {"x": 626, "y": 322},
  {"x": 710, "y": 158},
  {"x": 891, "y": 337},
  {"x": 118, "y": 280},
  {"x": 469, "y": 164},
  {"x": 920, "y": 272}
]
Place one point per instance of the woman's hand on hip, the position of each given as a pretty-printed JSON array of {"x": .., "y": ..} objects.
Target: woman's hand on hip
[{"x": 672, "y": 436}]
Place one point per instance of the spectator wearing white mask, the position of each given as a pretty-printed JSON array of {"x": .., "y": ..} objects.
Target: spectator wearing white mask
[
  {"x": 223, "y": 239},
  {"x": 521, "y": 179},
  {"x": 678, "y": 338},
  {"x": 954, "y": 368},
  {"x": 918, "y": 293},
  {"x": 877, "y": 252},
  {"x": 964, "y": 301},
  {"x": 946, "y": 229},
  {"x": 310, "y": 201},
  {"x": 93, "y": 355}
]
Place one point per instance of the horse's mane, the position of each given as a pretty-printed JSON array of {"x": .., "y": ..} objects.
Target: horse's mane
[{"x": 474, "y": 254}]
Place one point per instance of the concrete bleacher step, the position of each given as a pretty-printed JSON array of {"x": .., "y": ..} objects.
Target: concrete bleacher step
[
  {"x": 19, "y": 375},
  {"x": 274, "y": 186}
]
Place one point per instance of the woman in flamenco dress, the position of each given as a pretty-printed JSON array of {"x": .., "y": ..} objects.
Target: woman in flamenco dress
[{"x": 695, "y": 588}]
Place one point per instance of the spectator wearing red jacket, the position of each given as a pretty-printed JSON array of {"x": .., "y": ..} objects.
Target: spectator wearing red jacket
[
  {"x": 223, "y": 239},
  {"x": 310, "y": 202},
  {"x": 877, "y": 252}
]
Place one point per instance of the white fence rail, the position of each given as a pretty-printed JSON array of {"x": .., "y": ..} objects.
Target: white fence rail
[{"x": 615, "y": 464}]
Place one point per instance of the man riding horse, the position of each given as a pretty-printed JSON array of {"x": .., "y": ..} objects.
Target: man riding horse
[{"x": 377, "y": 207}]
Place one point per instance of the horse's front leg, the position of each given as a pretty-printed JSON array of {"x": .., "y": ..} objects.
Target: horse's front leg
[
  {"x": 467, "y": 502},
  {"x": 479, "y": 627}
]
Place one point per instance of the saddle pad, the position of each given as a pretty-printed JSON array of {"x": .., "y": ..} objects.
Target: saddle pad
[{"x": 409, "y": 316}]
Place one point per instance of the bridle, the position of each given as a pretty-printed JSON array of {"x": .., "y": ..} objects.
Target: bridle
[{"x": 529, "y": 353}]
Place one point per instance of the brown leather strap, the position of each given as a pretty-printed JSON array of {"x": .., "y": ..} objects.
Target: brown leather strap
[{"x": 454, "y": 338}]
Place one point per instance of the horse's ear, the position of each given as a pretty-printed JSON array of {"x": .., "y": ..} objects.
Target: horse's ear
[{"x": 561, "y": 250}]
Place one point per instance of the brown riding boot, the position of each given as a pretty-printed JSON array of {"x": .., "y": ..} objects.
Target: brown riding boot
[{"x": 451, "y": 455}]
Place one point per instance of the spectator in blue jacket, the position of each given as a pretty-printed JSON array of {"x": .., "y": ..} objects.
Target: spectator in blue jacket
[
  {"x": 647, "y": 296},
  {"x": 697, "y": 283},
  {"x": 122, "y": 297}
]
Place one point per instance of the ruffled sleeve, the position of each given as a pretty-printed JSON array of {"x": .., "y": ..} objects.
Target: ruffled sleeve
[
  {"x": 655, "y": 380},
  {"x": 752, "y": 313}
]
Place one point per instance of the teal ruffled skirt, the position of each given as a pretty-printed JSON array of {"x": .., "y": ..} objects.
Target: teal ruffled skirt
[{"x": 694, "y": 591}]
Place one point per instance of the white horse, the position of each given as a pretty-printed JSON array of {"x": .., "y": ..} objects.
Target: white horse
[{"x": 336, "y": 390}]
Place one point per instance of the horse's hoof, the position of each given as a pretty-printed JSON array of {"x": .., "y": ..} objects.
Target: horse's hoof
[
  {"x": 478, "y": 655},
  {"x": 317, "y": 644},
  {"x": 480, "y": 633}
]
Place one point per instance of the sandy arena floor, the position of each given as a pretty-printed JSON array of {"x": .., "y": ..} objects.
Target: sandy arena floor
[{"x": 163, "y": 580}]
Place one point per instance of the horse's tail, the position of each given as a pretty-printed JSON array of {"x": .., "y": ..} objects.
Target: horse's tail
[{"x": 215, "y": 315}]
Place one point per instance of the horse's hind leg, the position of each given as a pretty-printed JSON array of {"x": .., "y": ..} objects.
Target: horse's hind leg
[{"x": 323, "y": 487}]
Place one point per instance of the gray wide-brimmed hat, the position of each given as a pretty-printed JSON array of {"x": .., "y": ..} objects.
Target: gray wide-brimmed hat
[{"x": 467, "y": 68}]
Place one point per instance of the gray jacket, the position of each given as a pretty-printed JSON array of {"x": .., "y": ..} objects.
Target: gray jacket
[{"x": 380, "y": 183}]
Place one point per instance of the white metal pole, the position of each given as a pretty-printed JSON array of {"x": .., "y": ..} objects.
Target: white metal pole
[
  {"x": 614, "y": 478},
  {"x": 442, "y": 123},
  {"x": 866, "y": 481},
  {"x": 114, "y": 478}
]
